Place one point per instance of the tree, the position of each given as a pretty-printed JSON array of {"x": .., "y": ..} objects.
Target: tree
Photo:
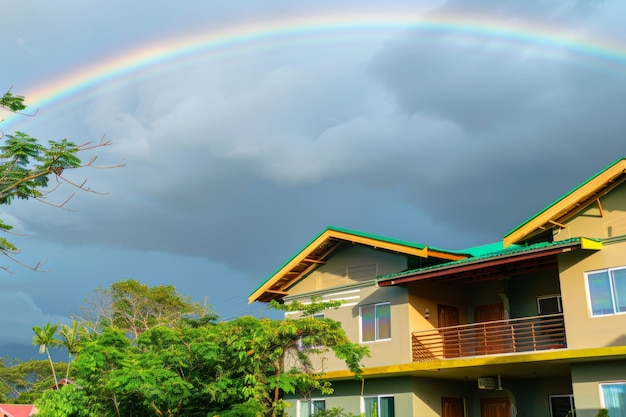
[
  {"x": 27, "y": 166},
  {"x": 22, "y": 382},
  {"x": 145, "y": 360},
  {"x": 135, "y": 307},
  {"x": 273, "y": 361},
  {"x": 70, "y": 339},
  {"x": 44, "y": 337}
]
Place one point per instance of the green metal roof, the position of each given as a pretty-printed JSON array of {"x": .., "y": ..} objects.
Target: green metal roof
[
  {"x": 483, "y": 254},
  {"x": 564, "y": 196}
]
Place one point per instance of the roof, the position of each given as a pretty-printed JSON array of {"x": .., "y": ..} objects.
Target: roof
[
  {"x": 325, "y": 243},
  {"x": 17, "y": 410},
  {"x": 571, "y": 203},
  {"x": 511, "y": 260}
]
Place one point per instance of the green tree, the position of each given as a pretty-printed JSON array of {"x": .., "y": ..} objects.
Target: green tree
[
  {"x": 22, "y": 382},
  {"x": 27, "y": 166},
  {"x": 44, "y": 337},
  {"x": 70, "y": 339},
  {"x": 134, "y": 307},
  {"x": 269, "y": 358},
  {"x": 187, "y": 364}
]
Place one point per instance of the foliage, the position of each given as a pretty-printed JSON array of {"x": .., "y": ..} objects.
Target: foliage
[
  {"x": 135, "y": 308},
  {"x": 22, "y": 382},
  {"x": 27, "y": 168},
  {"x": 44, "y": 337},
  {"x": 334, "y": 412},
  {"x": 166, "y": 364},
  {"x": 603, "y": 412}
]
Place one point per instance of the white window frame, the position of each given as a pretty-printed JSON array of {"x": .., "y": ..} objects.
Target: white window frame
[
  {"x": 559, "y": 301},
  {"x": 602, "y": 392},
  {"x": 612, "y": 288},
  {"x": 571, "y": 401},
  {"x": 311, "y": 402},
  {"x": 378, "y": 397},
  {"x": 376, "y": 337}
]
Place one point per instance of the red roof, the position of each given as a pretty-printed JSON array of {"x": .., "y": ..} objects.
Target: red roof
[{"x": 17, "y": 410}]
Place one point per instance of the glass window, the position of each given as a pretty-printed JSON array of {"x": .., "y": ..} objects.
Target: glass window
[
  {"x": 562, "y": 406},
  {"x": 308, "y": 408},
  {"x": 376, "y": 322},
  {"x": 614, "y": 398},
  {"x": 607, "y": 291},
  {"x": 380, "y": 405},
  {"x": 549, "y": 304}
]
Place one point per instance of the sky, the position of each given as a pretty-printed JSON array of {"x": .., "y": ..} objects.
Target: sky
[{"x": 247, "y": 127}]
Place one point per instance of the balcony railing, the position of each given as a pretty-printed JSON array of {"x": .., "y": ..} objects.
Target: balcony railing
[{"x": 526, "y": 334}]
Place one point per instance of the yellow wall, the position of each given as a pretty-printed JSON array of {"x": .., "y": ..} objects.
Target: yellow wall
[
  {"x": 592, "y": 223},
  {"x": 583, "y": 330}
]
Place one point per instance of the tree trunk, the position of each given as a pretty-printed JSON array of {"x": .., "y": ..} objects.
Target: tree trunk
[{"x": 54, "y": 374}]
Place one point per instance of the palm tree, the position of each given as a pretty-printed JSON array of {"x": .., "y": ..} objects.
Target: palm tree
[
  {"x": 70, "y": 340},
  {"x": 44, "y": 338}
]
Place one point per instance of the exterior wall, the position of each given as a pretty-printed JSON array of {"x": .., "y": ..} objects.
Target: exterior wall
[
  {"x": 592, "y": 223},
  {"x": 347, "y": 395},
  {"x": 429, "y": 295},
  {"x": 427, "y": 394},
  {"x": 583, "y": 330},
  {"x": 349, "y": 316},
  {"x": 586, "y": 378},
  {"x": 523, "y": 291},
  {"x": 349, "y": 265},
  {"x": 419, "y": 396},
  {"x": 532, "y": 396}
]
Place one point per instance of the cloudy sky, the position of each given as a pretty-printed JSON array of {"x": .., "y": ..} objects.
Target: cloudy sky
[{"x": 249, "y": 126}]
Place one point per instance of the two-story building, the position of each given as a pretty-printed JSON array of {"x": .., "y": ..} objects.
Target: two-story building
[{"x": 531, "y": 326}]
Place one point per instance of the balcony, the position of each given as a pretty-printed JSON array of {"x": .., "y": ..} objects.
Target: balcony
[{"x": 528, "y": 334}]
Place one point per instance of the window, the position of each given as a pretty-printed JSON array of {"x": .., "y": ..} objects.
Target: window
[
  {"x": 614, "y": 398},
  {"x": 607, "y": 291},
  {"x": 380, "y": 405},
  {"x": 562, "y": 406},
  {"x": 376, "y": 322},
  {"x": 307, "y": 408},
  {"x": 549, "y": 304}
]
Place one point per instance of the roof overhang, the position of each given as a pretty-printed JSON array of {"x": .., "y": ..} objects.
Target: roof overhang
[
  {"x": 318, "y": 251},
  {"x": 559, "y": 212},
  {"x": 496, "y": 266}
]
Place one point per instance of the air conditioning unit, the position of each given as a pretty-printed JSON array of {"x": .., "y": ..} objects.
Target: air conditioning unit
[{"x": 489, "y": 382}]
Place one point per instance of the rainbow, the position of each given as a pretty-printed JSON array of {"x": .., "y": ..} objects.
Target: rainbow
[{"x": 253, "y": 35}]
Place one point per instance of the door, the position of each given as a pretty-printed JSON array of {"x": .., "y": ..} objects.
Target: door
[
  {"x": 489, "y": 336},
  {"x": 495, "y": 407},
  {"x": 449, "y": 316},
  {"x": 452, "y": 407}
]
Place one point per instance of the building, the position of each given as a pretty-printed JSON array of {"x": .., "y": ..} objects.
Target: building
[
  {"x": 531, "y": 326},
  {"x": 17, "y": 410}
]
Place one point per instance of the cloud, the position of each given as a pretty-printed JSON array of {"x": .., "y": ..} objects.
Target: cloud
[{"x": 20, "y": 314}]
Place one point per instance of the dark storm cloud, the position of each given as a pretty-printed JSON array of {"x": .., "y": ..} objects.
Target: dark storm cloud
[
  {"x": 525, "y": 117},
  {"x": 237, "y": 161}
]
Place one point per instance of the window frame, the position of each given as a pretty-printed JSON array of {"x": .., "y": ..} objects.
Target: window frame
[
  {"x": 559, "y": 301},
  {"x": 571, "y": 402},
  {"x": 602, "y": 400},
  {"x": 612, "y": 289},
  {"x": 378, "y": 397},
  {"x": 377, "y": 320},
  {"x": 311, "y": 402}
]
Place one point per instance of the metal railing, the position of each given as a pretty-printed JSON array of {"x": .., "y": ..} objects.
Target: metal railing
[{"x": 526, "y": 334}]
